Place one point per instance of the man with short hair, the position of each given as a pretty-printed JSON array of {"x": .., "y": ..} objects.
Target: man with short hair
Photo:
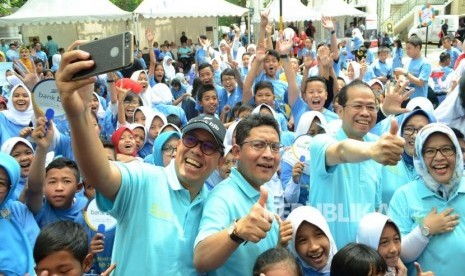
[
  {"x": 51, "y": 47},
  {"x": 237, "y": 222},
  {"x": 158, "y": 209},
  {"x": 346, "y": 167},
  {"x": 41, "y": 54}
]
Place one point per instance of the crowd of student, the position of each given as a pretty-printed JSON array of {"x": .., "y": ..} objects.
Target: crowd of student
[{"x": 263, "y": 148}]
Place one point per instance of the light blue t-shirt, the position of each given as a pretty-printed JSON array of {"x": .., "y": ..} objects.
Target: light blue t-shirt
[
  {"x": 157, "y": 221},
  {"x": 410, "y": 204},
  {"x": 420, "y": 68},
  {"x": 454, "y": 54},
  {"x": 8, "y": 129},
  {"x": 344, "y": 193},
  {"x": 280, "y": 90},
  {"x": 220, "y": 211},
  {"x": 48, "y": 214},
  {"x": 381, "y": 69},
  {"x": 395, "y": 177}
]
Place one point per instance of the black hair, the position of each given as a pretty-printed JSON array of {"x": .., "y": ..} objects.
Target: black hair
[
  {"x": 203, "y": 36},
  {"x": 61, "y": 236},
  {"x": 399, "y": 43},
  {"x": 195, "y": 86},
  {"x": 458, "y": 133},
  {"x": 163, "y": 80},
  {"x": 444, "y": 56},
  {"x": 383, "y": 49},
  {"x": 252, "y": 121},
  {"x": 274, "y": 256},
  {"x": 131, "y": 95},
  {"x": 245, "y": 54},
  {"x": 175, "y": 82},
  {"x": 462, "y": 91},
  {"x": 262, "y": 85},
  {"x": 63, "y": 162},
  {"x": 174, "y": 119},
  {"x": 272, "y": 53},
  {"x": 37, "y": 61},
  {"x": 319, "y": 45},
  {"x": 367, "y": 43},
  {"x": 203, "y": 89},
  {"x": 227, "y": 72},
  {"x": 49, "y": 37},
  {"x": 357, "y": 259},
  {"x": 205, "y": 65},
  {"x": 447, "y": 37},
  {"x": 414, "y": 41},
  {"x": 343, "y": 94},
  {"x": 315, "y": 78},
  {"x": 108, "y": 145},
  {"x": 244, "y": 107}
]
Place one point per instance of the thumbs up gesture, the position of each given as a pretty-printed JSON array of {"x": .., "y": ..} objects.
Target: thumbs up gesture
[
  {"x": 420, "y": 272},
  {"x": 257, "y": 223},
  {"x": 388, "y": 149}
]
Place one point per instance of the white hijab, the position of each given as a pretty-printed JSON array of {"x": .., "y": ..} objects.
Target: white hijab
[
  {"x": 306, "y": 120},
  {"x": 9, "y": 144},
  {"x": 161, "y": 94},
  {"x": 145, "y": 95},
  {"x": 100, "y": 110},
  {"x": 370, "y": 229},
  {"x": 313, "y": 216},
  {"x": 148, "y": 122},
  {"x": 22, "y": 118}
]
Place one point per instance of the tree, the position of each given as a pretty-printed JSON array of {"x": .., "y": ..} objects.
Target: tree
[
  {"x": 127, "y": 5},
  {"x": 8, "y": 7}
]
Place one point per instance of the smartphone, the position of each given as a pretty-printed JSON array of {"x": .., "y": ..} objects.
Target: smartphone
[{"x": 109, "y": 54}]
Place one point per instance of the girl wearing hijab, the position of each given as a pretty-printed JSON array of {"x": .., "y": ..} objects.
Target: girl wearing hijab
[
  {"x": 295, "y": 173},
  {"x": 353, "y": 71},
  {"x": 22, "y": 150},
  {"x": 19, "y": 228},
  {"x": 164, "y": 149},
  {"x": 312, "y": 244},
  {"x": 141, "y": 77},
  {"x": 140, "y": 135},
  {"x": 382, "y": 234},
  {"x": 153, "y": 123},
  {"x": 170, "y": 72},
  {"x": 427, "y": 209},
  {"x": 404, "y": 172},
  {"x": 18, "y": 115},
  {"x": 125, "y": 145}
]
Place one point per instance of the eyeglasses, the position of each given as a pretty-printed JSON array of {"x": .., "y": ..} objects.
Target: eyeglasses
[
  {"x": 169, "y": 150},
  {"x": 359, "y": 107},
  {"x": 207, "y": 147},
  {"x": 225, "y": 79},
  {"x": 133, "y": 102},
  {"x": 4, "y": 187},
  {"x": 411, "y": 130},
  {"x": 445, "y": 151},
  {"x": 261, "y": 145}
]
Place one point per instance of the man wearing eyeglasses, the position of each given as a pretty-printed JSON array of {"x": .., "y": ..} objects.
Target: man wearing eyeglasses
[
  {"x": 158, "y": 209},
  {"x": 346, "y": 168},
  {"x": 237, "y": 222}
]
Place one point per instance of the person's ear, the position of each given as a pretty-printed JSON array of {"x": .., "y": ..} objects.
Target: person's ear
[
  {"x": 236, "y": 151},
  {"x": 87, "y": 263}
]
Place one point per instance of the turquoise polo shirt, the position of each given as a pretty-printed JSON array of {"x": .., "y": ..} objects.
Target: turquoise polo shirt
[
  {"x": 395, "y": 177},
  {"x": 157, "y": 222},
  {"x": 232, "y": 199},
  {"x": 343, "y": 193},
  {"x": 410, "y": 204}
]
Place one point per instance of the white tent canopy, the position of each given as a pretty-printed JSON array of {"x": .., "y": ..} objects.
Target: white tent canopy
[
  {"x": 39, "y": 12},
  {"x": 293, "y": 10},
  {"x": 338, "y": 8},
  {"x": 188, "y": 8}
]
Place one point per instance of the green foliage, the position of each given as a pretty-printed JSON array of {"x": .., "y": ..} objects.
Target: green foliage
[
  {"x": 127, "y": 5},
  {"x": 227, "y": 21},
  {"x": 7, "y": 7}
]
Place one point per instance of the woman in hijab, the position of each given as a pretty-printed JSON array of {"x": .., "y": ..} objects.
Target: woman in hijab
[
  {"x": 427, "y": 209},
  {"x": 18, "y": 115},
  {"x": 312, "y": 243},
  {"x": 164, "y": 149}
]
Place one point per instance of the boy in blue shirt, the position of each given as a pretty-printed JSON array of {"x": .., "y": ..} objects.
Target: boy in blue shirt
[
  {"x": 59, "y": 182},
  {"x": 18, "y": 227},
  {"x": 382, "y": 69},
  {"x": 452, "y": 51}
]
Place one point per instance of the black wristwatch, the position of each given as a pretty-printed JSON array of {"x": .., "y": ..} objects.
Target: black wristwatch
[{"x": 233, "y": 234}]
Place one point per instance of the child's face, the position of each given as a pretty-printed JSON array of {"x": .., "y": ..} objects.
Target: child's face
[
  {"x": 139, "y": 117},
  {"x": 229, "y": 83},
  {"x": 21, "y": 99},
  {"x": 139, "y": 137},
  {"x": 127, "y": 144},
  {"x": 315, "y": 95},
  {"x": 270, "y": 65},
  {"x": 308, "y": 44},
  {"x": 159, "y": 73},
  {"x": 225, "y": 167},
  {"x": 49, "y": 75},
  {"x": 389, "y": 245},
  {"x": 110, "y": 154},
  {"x": 2, "y": 106},
  {"x": 264, "y": 96},
  {"x": 350, "y": 72},
  {"x": 94, "y": 104},
  {"x": 215, "y": 65},
  {"x": 312, "y": 245},
  {"x": 314, "y": 128},
  {"x": 341, "y": 84},
  {"x": 279, "y": 269},
  {"x": 24, "y": 155},
  {"x": 89, "y": 191},
  {"x": 383, "y": 56},
  {"x": 39, "y": 68},
  {"x": 142, "y": 79},
  {"x": 245, "y": 60},
  {"x": 130, "y": 106},
  {"x": 206, "y": 75},
  {"x": 209, "y": 102},
  {"x": 60, "y": 187},
  {"x": 243, "y": 114},
  {"x": 154, "y": 130},
  {"x": 4, "y": 184},
  {"x": 63, "y": 263},
  {"x": 169, "y": 150}
]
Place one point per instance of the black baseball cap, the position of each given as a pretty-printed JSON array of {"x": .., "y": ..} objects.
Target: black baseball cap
[{"x": 208, "y": 123}]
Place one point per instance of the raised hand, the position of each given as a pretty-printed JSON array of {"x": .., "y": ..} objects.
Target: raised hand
[
  {"x": 150, "y": 36},
  {"x": 257, "y": 223},
  {"x": 284, "y": 47},
  {"x": 109, "y": 270},
  {"x": 30, "y": 79},
  {"x": 43, "y": 135},
  {"x": 327, "y": 23},
  {"x": 285, "y": 231},
  {"x": 264, "y": 19},
  {"x": 389, "y": 147},
  {"x": 75, "y": 95},
  {"x": 420, "y": 272},
  {"x": 297, "y": 171},
  {"x": 97, "y": 243},
  {"x": 260, "y": 53},
  {"x": 394, "y": 98},
  {"x": 440, "y": 223}
]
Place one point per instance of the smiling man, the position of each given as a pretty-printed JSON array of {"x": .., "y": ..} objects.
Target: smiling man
[
  {"x": 346, "y": 167},
  {"x": 237, "y": 224}
]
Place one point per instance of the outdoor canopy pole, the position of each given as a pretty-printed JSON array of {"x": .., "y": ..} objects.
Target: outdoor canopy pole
[{"x": 281, "y": 27}]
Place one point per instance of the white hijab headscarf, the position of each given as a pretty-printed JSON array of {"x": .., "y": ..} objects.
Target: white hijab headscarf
[
  {"x": 9, "y": 144},
  {"x": 357, "y": 68},
  {"x": 420, "y": 166},
  {"x": 371, "y": 227},
  {"x": 148, "y": 122},
  {"x": 170, "y": 72},
  {"x": 161, "y": 94},
  {"x": 306, "y": 120},
  {"x": 100, "y": 109},
  {"x": 22, "y": 118},
  {"x": 313, "y": 216},
  {"x": 145, "y": 94}
]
